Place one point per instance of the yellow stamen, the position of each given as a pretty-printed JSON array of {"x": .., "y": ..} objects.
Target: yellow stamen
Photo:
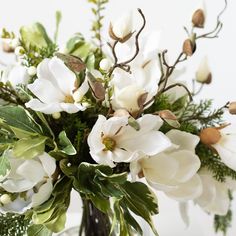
[
  {"x": 109, "y": 144},
  {"x": 69, "y": 99}
]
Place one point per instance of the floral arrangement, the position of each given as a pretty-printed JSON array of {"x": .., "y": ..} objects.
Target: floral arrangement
[{"x": 113, "y": 121}]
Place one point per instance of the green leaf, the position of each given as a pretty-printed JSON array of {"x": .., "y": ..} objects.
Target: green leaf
[
  {"x": 29, "y": 148},
  {"x": 5, "y": 166},
  {"x": 66, "y": 144},
  {"x": 140, "y": 200},
  {"x": 38, "y": 230},
  {"x": 67, "y": 168},
  {"x": 75, "y": 42},
  {"x": 58, "y": 223},
  {"x": 18, "y": 117},
  {"x": 35, "y": 35},
  {"x": 58, "y": 21}
]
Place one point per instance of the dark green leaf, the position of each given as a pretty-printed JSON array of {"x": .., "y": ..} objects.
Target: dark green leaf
[{"x": 66, "y": 144}]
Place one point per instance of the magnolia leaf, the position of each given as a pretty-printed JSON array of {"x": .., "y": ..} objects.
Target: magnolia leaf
[
  {"x": 103, "y": 204},
  {"x": 5, "y": 166},
  {"x": 35, "y": 35},
  {"x": 66, "y": 144},
  {"x": 41, "y": 218},
  {"x": 90, "y": 62},
  {"x": 58, "y": 21},
  {"x": 97, "y": 88},
  {"x": 139, "y": 199},
  {"x": 67, "y": 168},
  {"x": 180, "y": 103},
  {"x": 75, "y": 42},
  {"x": 72, "y": 62},
  {"x": 38, "y": 230},
  {"x": 29, "y": 148},
  {"x": 114, "y": 178},
  {"x": 58, "y": 223},
  {"x": 17, "y": 117}
]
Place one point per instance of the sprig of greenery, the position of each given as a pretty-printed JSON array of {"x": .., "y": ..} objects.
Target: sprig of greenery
[
  {"x": 223, "y": 223},
  {"x": 13, "y": 224},
  {"x": 97, "y": 23},
  {"x": 201, "y": 114},
  {"x": 211, "y": 160}
]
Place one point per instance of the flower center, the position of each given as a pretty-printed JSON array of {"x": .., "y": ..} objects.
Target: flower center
[
  {"x": 109, "y": 143},
  {"x": 69, "y": 99}
]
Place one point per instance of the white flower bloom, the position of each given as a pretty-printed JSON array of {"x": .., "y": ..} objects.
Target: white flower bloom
[
  {"x": 29, "y": 180},
  {"x": 226, "y": 148},
  {"x": 143, "y": 79},
  {"x": 214, "y": 198},
  {"x": 56, "y": 89},
  {"x": 16, "y": 75},
  {"x": 114, "y": 140},
  {"x": 175, "y": 170},
  {"x": 123, "y": 26}
]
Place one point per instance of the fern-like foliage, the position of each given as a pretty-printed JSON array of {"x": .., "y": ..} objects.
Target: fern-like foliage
[{"x": 13, "y": 225}]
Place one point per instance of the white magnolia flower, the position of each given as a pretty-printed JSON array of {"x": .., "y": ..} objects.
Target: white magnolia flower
[
  {"x": 56, "y": 89},
  {"x": 29, "y": 182},
  {"x": 16, "y": 75},
  {"x": 175, "y": 170},
  {"x": 143, "y": 79},
  {"x": 214, "y": 198},
  {"x": 226, "y": 148},
  {"x": 122, "y": 27},
  {"x": 114, "y": 140}
]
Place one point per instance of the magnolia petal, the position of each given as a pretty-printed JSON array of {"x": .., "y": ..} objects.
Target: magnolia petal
[
  {"x": 187, "y": 191},
  {"x": 150, "y": 143},
  {"x": 160, "y": 171},
  {"x": 31, "y": 170},
  {"x": 209, "y": 191},
  {"x": 43, "y": 72},
  {"x": 17, "y": 186},
  {"x": 49, "y": 163},
  {"x": 150, "y": 122},
  {"x": 72, "y": 107},
  {"x": 135, "y": 168},
  {"x": 103, "y": 158},
  {"x": 46, "y": 91},
  {"x": 43, "y": 193},
  {"x": 64, "y": 77},
  {"x": 189, "y": 164},
  {"x": 184, "y": 140},
  {"x": 114, "y": 125},
  {"x": 120, "y": 155},
  {"x": 220, "y": 205},
  {"x": 36, "y": 105},
  {"x": 94, "y": 138},
  {"x": 81, "y": 91},
  {"x": 183, "y": 209},
  {"x": 227, "y": 156}
]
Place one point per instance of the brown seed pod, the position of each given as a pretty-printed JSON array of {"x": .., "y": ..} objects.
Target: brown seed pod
[
  {"x": 189, "y": 47},
  {"x": 198, "y": 18},
  {"x": 232, "y": 108},
  {"x": 210, "y": 136}
]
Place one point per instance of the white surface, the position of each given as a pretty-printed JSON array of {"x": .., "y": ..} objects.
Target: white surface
[{"x": 170, "y": 16}]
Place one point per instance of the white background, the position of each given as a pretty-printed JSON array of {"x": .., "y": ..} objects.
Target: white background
[{"x": 169, "y": 16}]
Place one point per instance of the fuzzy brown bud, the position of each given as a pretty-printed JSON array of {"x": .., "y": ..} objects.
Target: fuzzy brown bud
[
  {"x": 189, "y": 47},
  {"x": 232, "y": 108},
  {"x": 210, "y": 136},
  {"x": 198, "y": 18}
]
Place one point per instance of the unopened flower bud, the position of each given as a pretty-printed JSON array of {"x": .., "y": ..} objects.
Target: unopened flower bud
[
  {"x": 189, "y": 47},
  {"x": 232, "y": 108},
  {"x": 210, "y": 136},
  {"x": 19, "y": 51},
  {"x": 5, "y": 199},
  {"x": 105, "y": 64},
  {"x": 121, "y": 113},
  {"x": 121, "y": 29},
  {"x": 198, "y": 18},
  {"x": 56, "y": 115},
  {"x": 32, "y": 70},
  {"x": 203, "y": 74}
]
